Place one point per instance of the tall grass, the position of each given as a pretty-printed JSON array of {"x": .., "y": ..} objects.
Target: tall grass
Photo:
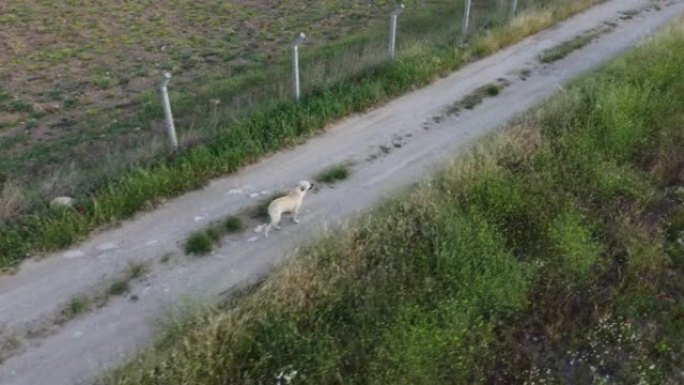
[
  {"x": 253, "y": 132},
  {"x": 519, "y": 262}
]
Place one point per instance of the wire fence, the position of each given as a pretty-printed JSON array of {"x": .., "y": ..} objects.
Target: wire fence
[
  {"x": 410, "y": 29},
  {"x": 422, "y": 27}
]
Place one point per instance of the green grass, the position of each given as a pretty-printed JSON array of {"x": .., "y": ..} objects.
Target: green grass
[
  {"x": 137, "y": 270},
  {"x": 236, "y": 139},
  {"x": 334, "y": 174},
  {"x": 232, "y": 224},
  {"x": 562, "y": 50},
  {"x": 493, "y": 89},
  {"x": 203, "y": 241},
  {"x": 3, "y": 96},
  {"x": 19, "y": 105},
  {"x": 471, "y": 101},
  {"x": 166, "y": 258},
  {"x": 77, "y": 305},
  {"x": 476, "y": 97},
  {"x": 548, "y": 254},
  {"x": 119, "y": 287},
  {"x": 83, "y": 303},
  {"x": 199, "y": 243}
]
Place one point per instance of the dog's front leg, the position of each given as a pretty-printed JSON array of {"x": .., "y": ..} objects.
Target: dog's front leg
[{"x": 294, "y": 215}]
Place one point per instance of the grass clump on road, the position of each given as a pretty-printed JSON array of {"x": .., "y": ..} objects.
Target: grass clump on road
[
  {"x": 115, "y": 194},
  {"x": 232, "y": 224},
  {"x": 562, "y": 50},
  {"x": 474, "y": 99},
  {"x": 548, "y": 254},
  {"x": 119, "y": 287},
  {"x": 83, "y": 303},
  {"x": 334, "y": 174},
  {"x": 76, "y": 306},
  {"x": 199, "y": 243},
  {"x": 493, "y": 89},
  {"x": 136, "y": 270},
  {"x": 203, "y": 241}
]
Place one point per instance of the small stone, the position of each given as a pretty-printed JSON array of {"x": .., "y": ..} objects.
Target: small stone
[
  {"x": 107, "y": 246},
  {"x": 63, "y": 201},
  {"x": 73, "y": 254}
]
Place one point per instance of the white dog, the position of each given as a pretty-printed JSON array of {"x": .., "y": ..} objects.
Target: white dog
[{"x": 289, "y": 203}]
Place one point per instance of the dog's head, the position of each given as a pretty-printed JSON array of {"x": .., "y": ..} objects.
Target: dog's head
[{"x": 304, "y": 185}]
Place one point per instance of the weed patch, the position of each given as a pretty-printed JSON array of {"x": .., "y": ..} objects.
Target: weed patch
[
  {"x": 83, "y": 303},
  {"x": 198, "y": 243},
  {"x": 77, "y": 306},
  {"x": 119, "y": 287},
  {"x": 334, "y": 174},
  {"x": 232, "y": 224},
  {"x": 203, "y": 241},
  {"x": 136, "y": 270},
  {"x": 565, "y": 49},
  {"x": 476, "y": 97}
]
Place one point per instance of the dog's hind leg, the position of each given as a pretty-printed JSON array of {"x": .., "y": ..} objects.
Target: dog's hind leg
[
  {"x": 275, "y": 222},
  {"x": 295, "y": 219}
]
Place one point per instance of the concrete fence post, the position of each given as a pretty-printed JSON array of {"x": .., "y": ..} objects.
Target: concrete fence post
[
  {"x": 393, "y": 29},
  {"x": 299, "y": 39},
  {"x": 170, "y": 127},
  {"x": 466, "y": 19},
  {"x": 514, "y": 7}
]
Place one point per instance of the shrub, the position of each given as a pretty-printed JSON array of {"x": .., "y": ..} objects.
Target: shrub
[{"x": 199, "y": 243}]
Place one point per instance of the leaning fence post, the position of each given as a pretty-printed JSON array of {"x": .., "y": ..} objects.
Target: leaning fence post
[
  {"x": 466, "y": 19},
  {"x": 514, "y": 6},
  {"x": 170, "y": 127},
  {"x": 295, "y": 63},
  {"x": 393, "y": 29}
]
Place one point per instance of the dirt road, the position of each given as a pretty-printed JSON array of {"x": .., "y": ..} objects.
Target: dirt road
[{"x": 391, "y": 147}]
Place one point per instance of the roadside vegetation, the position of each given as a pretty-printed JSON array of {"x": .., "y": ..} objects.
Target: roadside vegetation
[
  {"x": 552, "y": 253},
  {"x": 203, "y": 241},
  {"x": 14, "y": 341},
  {"x": 478, "y": 96},
  {"x": 334, "y": 174},
  {"x": 84, "y": 302},
  {"x": 562, "y": 50},
  {"x": 120, "y": 166}
]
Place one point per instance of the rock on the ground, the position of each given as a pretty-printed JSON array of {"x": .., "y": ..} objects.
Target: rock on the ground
[{"x": 62, "y": 202}]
